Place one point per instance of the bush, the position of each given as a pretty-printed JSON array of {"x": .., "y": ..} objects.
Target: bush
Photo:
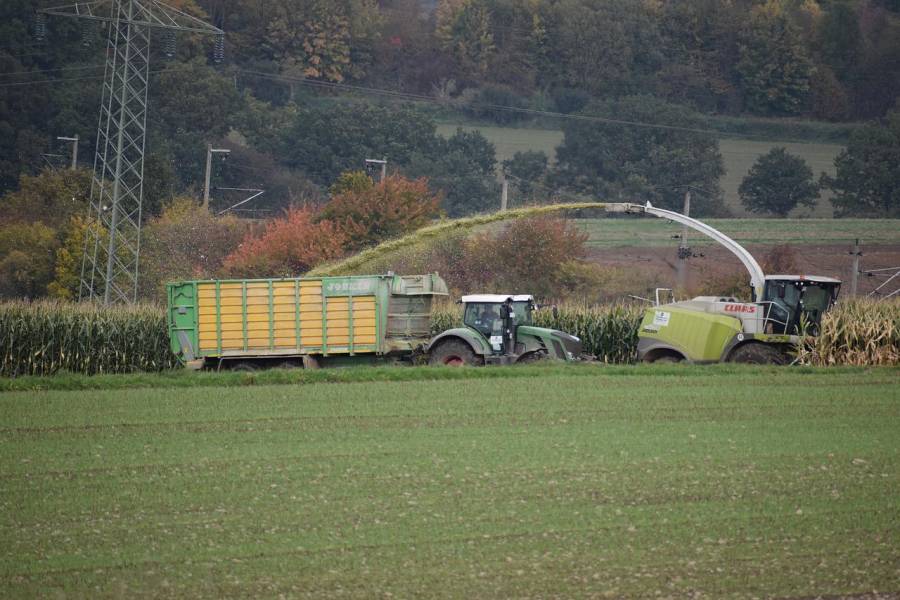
[
  {"x": 368, "y": 214},
  {"x": 185, "y": 242},
  {"x": 288, "y": 247}
]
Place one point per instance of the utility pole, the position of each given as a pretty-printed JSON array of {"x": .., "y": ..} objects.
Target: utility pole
[
  {"x": 74, "y": 141},
  {"x": 683, "y": 250},
  {"x": 854, "y": 276},
  {"x": 504, "y": 194},
  {"x": 109, "y": 266},
  {"x": 209, "y": 152},
  {"x": 372, "y": 163}
]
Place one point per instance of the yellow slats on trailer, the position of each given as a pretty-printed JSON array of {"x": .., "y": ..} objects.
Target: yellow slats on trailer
[{"x": 260, "y": 316}]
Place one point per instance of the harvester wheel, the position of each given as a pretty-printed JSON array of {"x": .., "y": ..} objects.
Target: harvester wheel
[
  {"x": 756, "y": 353},
  {"x": 453, "y": 353}
]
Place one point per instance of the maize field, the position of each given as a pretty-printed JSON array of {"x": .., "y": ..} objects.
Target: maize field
[
  {"x": 43, "y": 338},
  {"x": 856, "y": 332},
  {"x": 609, "y": 333}
]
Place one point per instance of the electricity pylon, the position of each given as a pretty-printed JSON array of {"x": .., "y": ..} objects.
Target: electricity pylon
[{"x": 112, "y": 247}]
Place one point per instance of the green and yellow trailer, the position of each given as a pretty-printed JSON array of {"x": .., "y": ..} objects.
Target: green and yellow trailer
[{"x": 310, "y": 321}]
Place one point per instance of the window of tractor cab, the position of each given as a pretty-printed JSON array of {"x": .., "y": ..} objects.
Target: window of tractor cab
[
  {"x": 486, "y": 316},
  {"x": 523, "y": 313},
  {"x": 483, "y": 316},
  {"x": 816, "y": 298}
]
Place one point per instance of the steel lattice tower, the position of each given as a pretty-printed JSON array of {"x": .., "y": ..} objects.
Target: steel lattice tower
[{"x": 112, "y": 248}]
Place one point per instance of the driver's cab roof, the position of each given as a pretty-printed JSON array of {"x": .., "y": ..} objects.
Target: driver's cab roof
[
  {"x": 812, "y": 278},
  {"x": 497, "y": 298}
]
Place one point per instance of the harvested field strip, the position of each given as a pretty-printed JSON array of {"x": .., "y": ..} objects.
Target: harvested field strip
[{"x": 710, "y": 482}]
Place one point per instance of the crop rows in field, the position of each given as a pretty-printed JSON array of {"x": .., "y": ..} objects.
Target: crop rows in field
[{"x": 755, "y": 484}]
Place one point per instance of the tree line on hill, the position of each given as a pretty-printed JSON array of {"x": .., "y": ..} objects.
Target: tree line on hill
[{"x": 303, "y": 99}]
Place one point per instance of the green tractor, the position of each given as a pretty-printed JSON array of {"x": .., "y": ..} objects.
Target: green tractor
[{"x": 498, "y": 330}]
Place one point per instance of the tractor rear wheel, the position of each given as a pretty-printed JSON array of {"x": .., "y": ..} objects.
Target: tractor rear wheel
[
  {"x": 454, "y": 353},
  {"x": 756, "y": 353}
]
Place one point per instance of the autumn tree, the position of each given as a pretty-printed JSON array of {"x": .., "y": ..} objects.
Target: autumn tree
[
  {"x": 185, "y": 242},
  {"x": 464, "y": 30},
  {"x": 289, "y": 246},
  {"x": 777, "y": 182},
  {"x": 388, "y": 209},
  {"x": 323, "y": 39}
]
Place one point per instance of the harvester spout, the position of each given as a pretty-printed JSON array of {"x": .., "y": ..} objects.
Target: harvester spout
[{"x": 757, "y": 277}]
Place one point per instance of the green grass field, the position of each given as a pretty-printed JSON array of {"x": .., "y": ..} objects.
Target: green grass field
[
  {"x": 738, "y": 155},
  {"x": 572, "y": 481},
  {"x": 651, "y": 231}
]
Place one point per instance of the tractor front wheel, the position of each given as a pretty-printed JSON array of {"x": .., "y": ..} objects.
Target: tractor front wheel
[
  {"x": 454, "y": 353},
  {"x": 756, "y": 353}
]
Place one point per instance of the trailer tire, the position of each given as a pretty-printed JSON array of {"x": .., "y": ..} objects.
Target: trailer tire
[
  {"x": 454, "y": 353},
  {"x": 756, "y": 353},
  {"x": 243, "y": 365}
]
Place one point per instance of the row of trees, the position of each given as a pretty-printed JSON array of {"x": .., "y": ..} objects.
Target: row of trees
[
  {"x": 42, "y": 257},
  {"x": 583, "y": 58},
  {"x": 833, "y": 59}
]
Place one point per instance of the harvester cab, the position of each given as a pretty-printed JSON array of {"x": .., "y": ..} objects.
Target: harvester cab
[
  {"x": 795, "y": 304},
  {"x": 498, "y": 329}
]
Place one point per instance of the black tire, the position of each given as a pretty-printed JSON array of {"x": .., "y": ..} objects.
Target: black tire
[
  {"x": 454, "y": 353},
  {"x": 243, "y": 365},
  {"x": 667, "y": 359},
  {"x": 757, "y": 353},
  {"x": 532, "y": 357}
]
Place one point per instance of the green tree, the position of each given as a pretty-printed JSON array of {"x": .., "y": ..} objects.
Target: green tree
[
  {"x": 618, "y": 161},
  {"x": 604, "y": 46},
  {"x": 324, "y": 141},
  {"x": 868, "y": 172},
  {"x": 774, "y": 67},
  {"x": 527, "y": 171},
  {"x": 777, "y": 182},
  {"x": 27, "y": 254},
  {"x": 51, "y": 197},
  {"x": 463, "y": 168}
]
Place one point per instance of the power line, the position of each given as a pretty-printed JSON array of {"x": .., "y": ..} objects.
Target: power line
[{"x": 37, "y": 71}]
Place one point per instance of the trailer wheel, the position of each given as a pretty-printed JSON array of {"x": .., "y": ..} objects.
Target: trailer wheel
[
  {"x": 453, "y": 353},
  {"x": 758, "y": 354},
  {"x": 243, "y": 365}
]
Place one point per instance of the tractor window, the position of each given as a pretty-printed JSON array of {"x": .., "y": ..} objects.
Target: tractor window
[
  {"x": 815, "y": 298},
  {"x": 523, "y": 313},
  {"x": 484, "y": 317}
]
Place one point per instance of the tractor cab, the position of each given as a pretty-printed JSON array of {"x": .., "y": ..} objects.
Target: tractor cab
[
  {"x": 797, "y": 302},
  {"x": 496, "y": 317},
  {"x": 498, "y": 330}
]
